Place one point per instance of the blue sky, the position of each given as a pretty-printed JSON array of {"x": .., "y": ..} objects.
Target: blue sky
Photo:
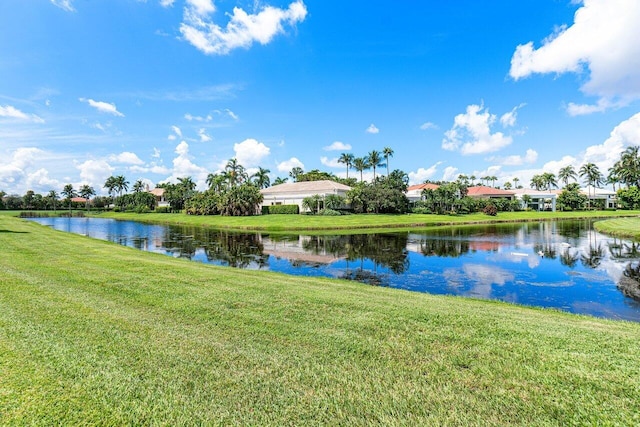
[{"x": 160, "y": 89}]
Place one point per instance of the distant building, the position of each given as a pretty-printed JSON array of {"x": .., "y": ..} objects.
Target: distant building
[
  {"x": 414, "y": 192},
  {"x": 484, "y": 192},
  {"x": 160, "y": 199},
  {"x": 541, "y": 200},
  {"x": 292, "y": 193},
  {"x": 609, "y": 197}
]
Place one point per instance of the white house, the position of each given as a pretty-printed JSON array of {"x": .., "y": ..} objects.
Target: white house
[
  {"x": 609, "y": 197},
  {"x": 540, "y": 199},
  {"x": 161, "y": 201},
  {"x": 414, "y": 192},
  {"x": 292, "y": 193}
]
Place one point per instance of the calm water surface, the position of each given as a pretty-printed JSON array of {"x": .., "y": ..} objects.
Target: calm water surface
[{"x": 564, "y": 265}]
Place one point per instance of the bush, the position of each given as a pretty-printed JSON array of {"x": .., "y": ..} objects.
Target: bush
[
  {"x": 142, "y": 209},
  {"x": 421, "y": 210},
  {"x": 329, "y": 212},
  {"x": 163, "y": 209},
  {"x": 281, "y": 209},
  {"x": 490, "y": 210}
]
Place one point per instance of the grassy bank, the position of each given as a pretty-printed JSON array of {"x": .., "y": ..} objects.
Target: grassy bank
[
  {"x": 350, "y": 223},
  {"x": 95, "y": 333},
  {"x": 621, "y": 227}
]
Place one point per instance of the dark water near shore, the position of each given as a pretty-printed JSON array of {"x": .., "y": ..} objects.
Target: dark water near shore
[{"x": 564, "y": 265}]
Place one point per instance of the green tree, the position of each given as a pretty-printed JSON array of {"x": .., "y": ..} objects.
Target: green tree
[
  {"x": 235, "y": 172},
  {"x": 261, "y": 178},
  {"x": 347, "y": 160},
  {"x": 216, "y": 182},
  {"x": 243, "y": 200},
  {"x": 387, "y": 152},
  {"x": 361, "y": 164},
  {"x": 537, "y": 182},
  {"x": 571, "y": 197},
  {"x": 27, "y": 199},
  {"x": 516, "y": 180},
  {"x": 280, "y": 180},
  {"x": 86, "y": 191},
  {"x": 566, "y": 173},
  {"x": 69, "y": 193},
  {"x": 549, "y": 180},
  {"x": 375, "y": 160},
  {"x": 138, "y": 186},
  {"x": 52, "y": 197},
  {"x": 592, "y": 175},
  {"x": 295, "y": 172}
]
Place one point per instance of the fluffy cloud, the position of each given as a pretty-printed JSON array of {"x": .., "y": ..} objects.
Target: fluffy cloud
[
  {"x": 530, "y": 157},
  {"x": 372, "y": 129},
  {"x": 250, "y": 152},
  {"x": 103, "y": 107},
  {"x": 94, "y": 172},
  {"x": 337, "y": 146},
  {"x": 423, "y": 174},
  {"x": 471, "y": 133},
  {"x": 427, "y": 126},
  {"x": 14, "y": 171},
  {"x": 331, "y": 163},
  {"x": 13, "y": 113},
  {"x": 602, "y": 39},
  {"x": 604, "y": 155},
  {"x": 509, "y": 119},
  {"x": 450, "y": 173},
  {"x": 126, "y": 157},
  {"x": 184, "y": 167},
  {"x": 287, "y": 165},
  {"x": 242, "y": 30}
]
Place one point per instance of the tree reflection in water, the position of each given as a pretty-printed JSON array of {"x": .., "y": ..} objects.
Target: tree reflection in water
[
  {"x": 569, "y": 259},
  {"x": 629, "y": 283},
  {"x": 593, "y": 256}
]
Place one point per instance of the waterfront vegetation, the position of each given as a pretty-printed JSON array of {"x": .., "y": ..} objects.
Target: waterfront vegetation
[
  {"x": 621, "y": 227},
  {"x": 96, "y": 333}
]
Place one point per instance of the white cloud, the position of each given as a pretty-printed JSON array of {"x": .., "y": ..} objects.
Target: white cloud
[
  {"x": 166, "y": 3},
  {"x": 427, "y": 126},
  {"x": 372, "y": 129},
  {"x": 331, "y": 163},
  {"x": 177, "y": 131},
  {"x": 509, "y": 119},
  {"x": 184, "y": 167},
  {"x": 242, "y": 30},
  {"x": 287, "y": 165},
  {"x": 422, "y": 174},
  {"x": 471, "y": 133},
  {"x": 450, "y": 173},
  {"x": 64, "y": 5},
  {"x": 603, "y": 40},
  {"x": 103, "y": 107},
  {"x": 126, "y": 157},
  {"x": 203, "y": 135},
  {"x": 14, "y": 171},
  {"x": 604, "y": 155},
  {"x": 40, "y": 180},
  {"x": 250, "y": 152},
  {"x": 13, "y": 113},
  {"x": 530, "y": 157},
  {"x": 156, "y": 153},
  {"x": 94, "y": 172},
  {"x": 231, "y": 114},
  {"x": 337, "y": 146}
]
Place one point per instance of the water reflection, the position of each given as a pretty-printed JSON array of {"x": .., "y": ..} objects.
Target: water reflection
[{"x": 565, "y": 265}]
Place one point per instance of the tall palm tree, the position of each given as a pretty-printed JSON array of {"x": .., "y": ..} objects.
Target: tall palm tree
[
  {"x": 361, "y": 164},
  {"x": 53, "y": 196},
  {"x": 549, "y": 180},
  {"x": 261, "y": 178},
  {"x": 86, "y": 192},
  {"x": 493, "y": 180},
  {"x": 121, "y": 184},
  {"x": 375, "y": 160},
  {"x": 387, "y": 152},
  {"x": 346, "y": 159},
  {"x": 537, "y": 182},
  {"x": 591, "y": 173},
  {"x": 110, "y": 185},
  {"x": 630, "y": 166},
  {"x": 280, "y": 180},
  {"x": 473, "y": 180},
  {"x": 216, "y": 182},
  {"x": 235, "y": 172},
  {"x": 69, "y": 193},
  {"x": 566, "y": 173},
  {"x": 295, "y": 172},
  {"x": 515, "y": 181},
  {"x": 138, "y": 186}
]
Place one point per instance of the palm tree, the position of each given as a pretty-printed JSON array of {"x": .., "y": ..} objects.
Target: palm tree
[
  {"x": 566, "y": 173},
  {"x": 630, "y": 166},
  {"x": 615, "y": 173},
  {"x": 216, "y": 182},
  {"x": 473, "y": 180},
  {"x": 347, "y": 159},
  {"x": 295, "y": 173},
  {"x": 515, "y": 181},
  {"x": 69, "y": 193},
  {"x": 593, "y": 177},
  {"x": 279, "y": 181},
  {"x": 261, "y": 178},
  {"x": 110, "y": 185},
  {"x": 493, "y": 180},
  {"x": 138, "y": 186},
  {"x": 463, "y": 179},
  {"x": 235, "y": 172},
  {"x": 507, "y": 185},
  {"x": 375, "y": 160},
  {"x": 53, "y": 196},
  {"x": 360, "y": 164},
  {"x": 537, "y": 182},
  {"x": 86, "y": 192},
  {"x": 549, "y": 180},
  {"x": 121, "y": 184},
  {"x": 387, "y": 152}
]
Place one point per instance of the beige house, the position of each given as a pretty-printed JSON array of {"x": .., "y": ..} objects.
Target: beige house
[
  {"x": 160, "y": 199},
  {"x": 292, "y": 193}
]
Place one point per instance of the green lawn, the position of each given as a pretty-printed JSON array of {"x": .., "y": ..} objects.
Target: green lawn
[
  {"x": 92, "y": 333},
  {"x": 622, "y": 227},
  {"x": 351, "y": 223}
]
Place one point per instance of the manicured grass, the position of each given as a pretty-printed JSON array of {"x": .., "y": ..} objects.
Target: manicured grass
[
  {"x": 96, "y": 333},
  {"x": 622, "y": 227},
  {"x": 351, "y": 223}
]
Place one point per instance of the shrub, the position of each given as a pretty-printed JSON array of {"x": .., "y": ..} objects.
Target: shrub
[
  {"x": 142, "y": 209},
  {"x": 163, "y": 209},
  {"x": 281, "y": 209},
  {"x": 329, "y": 212},
  {"x": 421, "y": 210},
  {"x": 490, "y": 210}
]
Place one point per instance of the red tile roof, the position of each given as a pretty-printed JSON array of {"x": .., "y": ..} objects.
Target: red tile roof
[
  {"x": 481, "y": 190},
  {"x": 428, "y": 186}
]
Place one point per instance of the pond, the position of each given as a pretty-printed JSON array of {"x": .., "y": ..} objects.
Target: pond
[{"x": 564, "y": 265}]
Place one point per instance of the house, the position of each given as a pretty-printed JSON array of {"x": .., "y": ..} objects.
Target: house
[
  {"x": 292, "y": 193},
  {"x": 161, "y": 201},
  {"x": 608, "y": 197},
  {"x": 540, "y": 200},
  {"x": 414, "y": 192},
  {"x": 484, "y": 192}
]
